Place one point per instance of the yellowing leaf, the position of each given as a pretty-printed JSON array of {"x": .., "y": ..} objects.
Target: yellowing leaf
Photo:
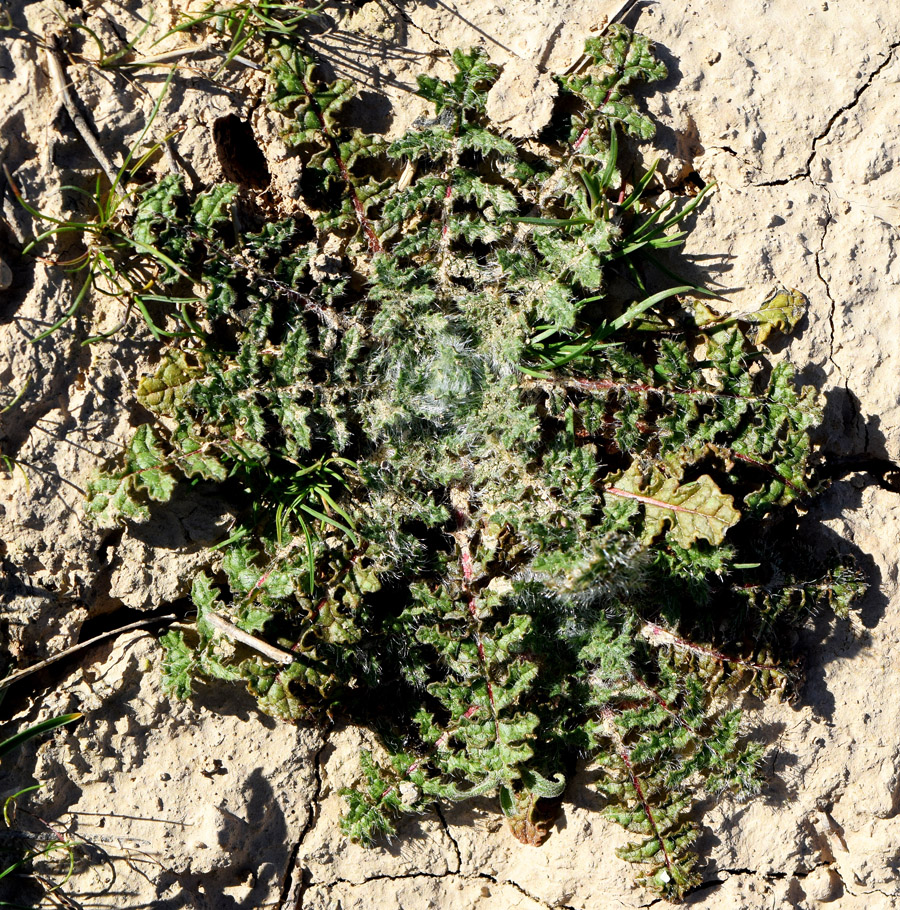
[
  {"x": 166, "y": 388},
  {"x": 693, "y": 511},
  {"x": 782, "y": 311}
]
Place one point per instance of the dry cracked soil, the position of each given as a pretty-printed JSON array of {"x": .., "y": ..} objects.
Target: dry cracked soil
[{"x": 792, "y": 108}]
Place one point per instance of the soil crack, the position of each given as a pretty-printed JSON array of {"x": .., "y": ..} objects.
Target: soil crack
[
  {"x": 388, "y": 877},
  {"x": 861, "y": 90},
  {"x": 857, "y": 96},
  {"x": 452, "y": 839},
  {"x": 523, "y": 892},
  {"x": 408, "y": 19},
  {"x": 730, "y": 151},
  {"x": 294, "y": 882},
  {"x": 829, "y": 217},
  {"x": 821, "y": 273},
  {"x": 291, "y": 897}
]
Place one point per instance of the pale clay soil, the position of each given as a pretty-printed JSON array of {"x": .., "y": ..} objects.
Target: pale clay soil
[{"x": 792, "y": 107}]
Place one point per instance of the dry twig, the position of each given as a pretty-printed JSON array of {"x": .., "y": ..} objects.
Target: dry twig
[{"x": 67, "y": 652}]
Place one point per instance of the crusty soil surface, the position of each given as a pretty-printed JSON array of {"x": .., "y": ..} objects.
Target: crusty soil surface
[{"x": 792, "y": 108}]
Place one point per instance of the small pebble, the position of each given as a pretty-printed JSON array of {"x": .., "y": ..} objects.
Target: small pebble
[
  {"x": 822, "y": 885},
  {"x": 6, "y": 276}
]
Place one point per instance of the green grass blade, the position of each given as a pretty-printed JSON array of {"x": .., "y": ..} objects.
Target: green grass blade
[
  {"x": 638, "y": 191},
  {"x": 690, "y": 206},
  {"x": 88, "y": 281},
  {"x": 44, "y": 726},
  {"x": 330, "y": 521},
  {"x": 642, "y": 306},
  {"x": 609, "y": 170}
]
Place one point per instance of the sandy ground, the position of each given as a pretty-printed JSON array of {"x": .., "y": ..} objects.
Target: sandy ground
[{"x": 792, "y": 108}]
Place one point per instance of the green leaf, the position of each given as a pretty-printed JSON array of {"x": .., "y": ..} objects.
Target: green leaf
[
  {"x": 112, "y": 498},
  {"x": 213, "y": 208},
  {"x": 541, "y": 786},
  {"x": 295, "y": 90},
  {"x": 581, "y": 257},
  {"x": 486, "y": 142},
  {"x": 470, "y": 186},
  {"x": 273, "y": 687},
  {"x": 178, "y": 664},
  {"x": 157, "y": 207},
  {"x": 198, "y": 457},
  {"x": 621, "y": 57},
  {"x": 148, "y": 467},
  {"x": 434, "y": 143},
  {"x": 467, "y": 93}
]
